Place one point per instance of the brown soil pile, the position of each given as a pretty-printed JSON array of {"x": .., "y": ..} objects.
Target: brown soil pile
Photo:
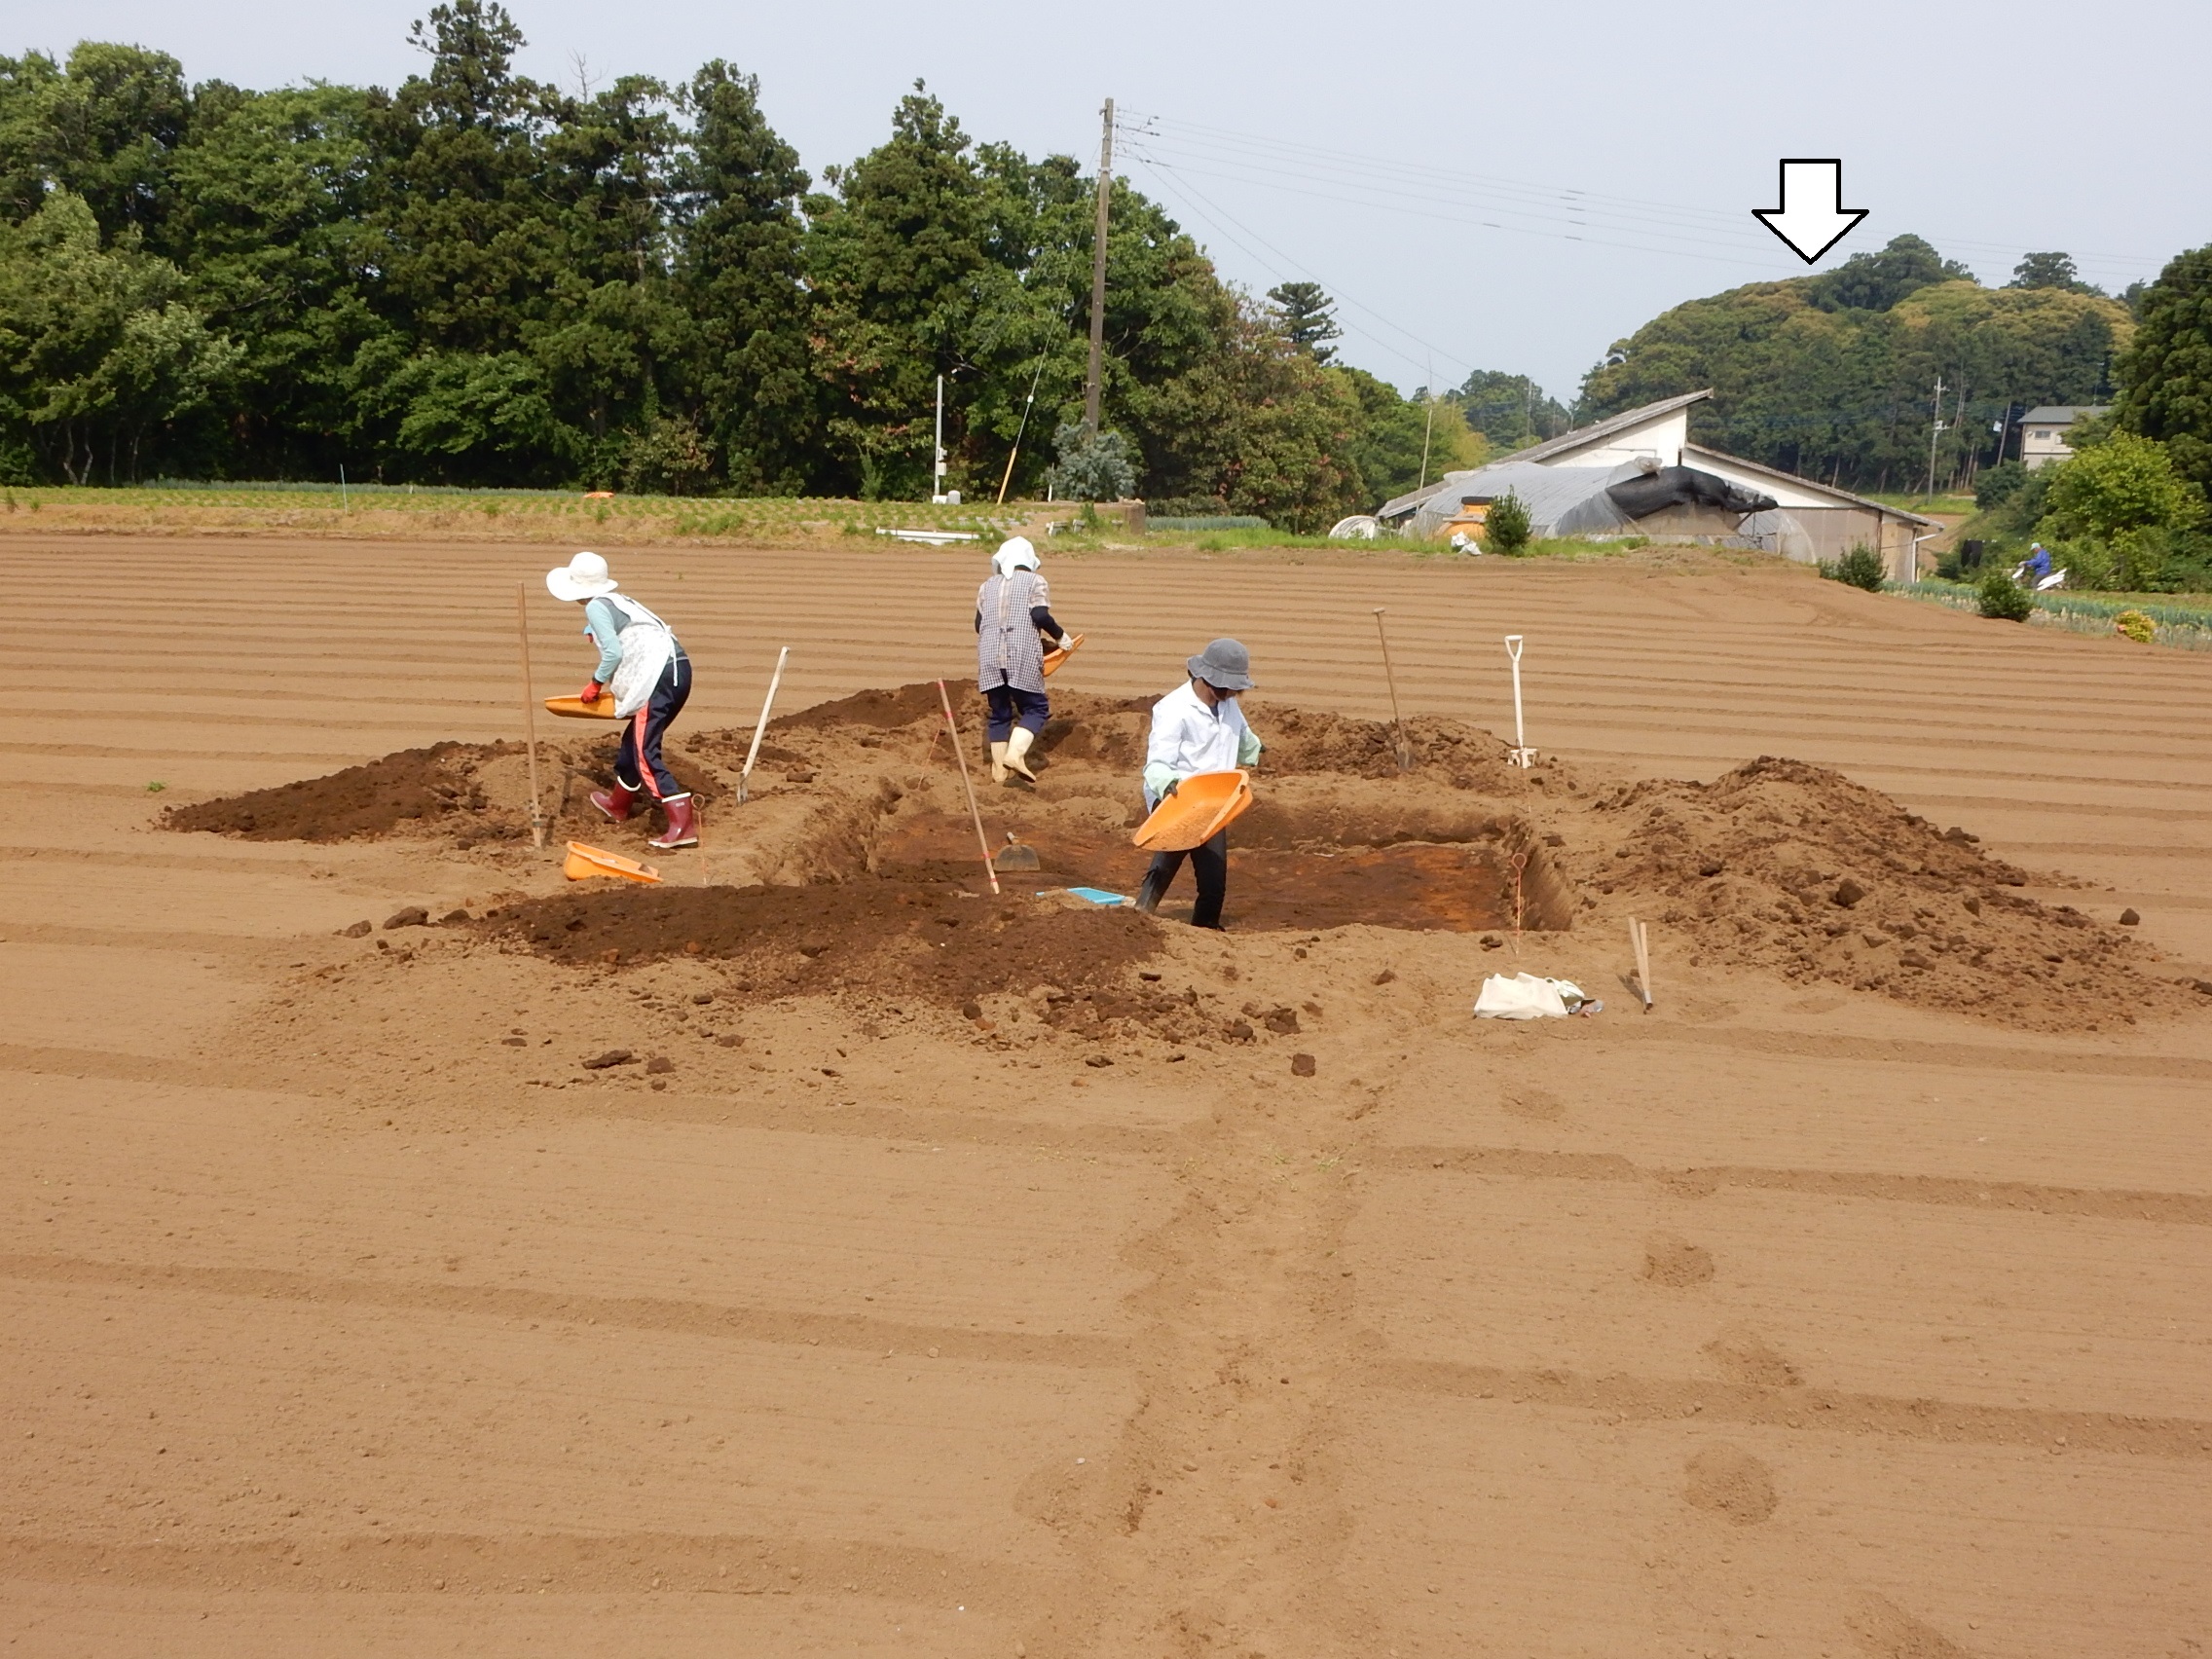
[
  {"x": 441, "y": 790},
  {"x": 412, "y": 788},
  {"x": 876, "y": 940},
  {"x": 1111, "y": 732},
  {"x": 1795, "y": 868}
]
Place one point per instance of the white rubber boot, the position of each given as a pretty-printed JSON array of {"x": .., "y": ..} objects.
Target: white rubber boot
[
  {"x": 1017, "y": 745},
  {"x": 998, "y": 762}
]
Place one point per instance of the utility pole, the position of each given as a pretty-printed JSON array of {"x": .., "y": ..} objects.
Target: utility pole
[
  {"x": 936, "y": 471},
  {"x": 1934, "y": 432},
  {"x": 1090, "y": 385},
  {"x": 1428, "y": 425}
]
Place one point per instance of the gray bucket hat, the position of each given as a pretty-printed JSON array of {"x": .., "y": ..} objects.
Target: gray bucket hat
[{"x": 1224, "y": 665}]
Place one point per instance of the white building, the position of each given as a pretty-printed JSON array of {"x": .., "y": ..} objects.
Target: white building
[
  {"x": 2043, "y": 432},
  {"x": 1613, "y": 473}
]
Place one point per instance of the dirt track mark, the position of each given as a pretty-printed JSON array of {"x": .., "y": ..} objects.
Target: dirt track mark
[
  {"x": 1905, "y": 1050},
  {"x": 218, "y": 863},
  {"x": 1245, "y": 1341},
  {"x": 113, "y": 1067},
  {"x": 2104, "y": 1204},
  {"x": 136, "y": 938},
  {"x": 457, "y": 1562},
  {"x": 1794, "y": 1406},
  {"x": 629, "y": 1312}
]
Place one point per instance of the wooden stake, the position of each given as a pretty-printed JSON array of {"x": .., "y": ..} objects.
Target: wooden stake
[
  {"x": 974, "y": 812},
  {"x": 1639, "y": 938},
  {"x": 754, "y": 754},
  {"x": 1405, "y": 748},
  {"x": 529, "y": 713}
]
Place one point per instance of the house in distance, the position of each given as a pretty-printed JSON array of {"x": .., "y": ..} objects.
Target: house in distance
[
  {"x": 2043, "y": 432},
  {"x": 1639, "y": 474}
]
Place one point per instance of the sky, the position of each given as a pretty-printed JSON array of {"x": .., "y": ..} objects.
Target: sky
[{"x": 1480, "y": 185}]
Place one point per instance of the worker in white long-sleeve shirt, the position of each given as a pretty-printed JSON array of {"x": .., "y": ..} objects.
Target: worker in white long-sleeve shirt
[{"x": 1198, "y": 729}]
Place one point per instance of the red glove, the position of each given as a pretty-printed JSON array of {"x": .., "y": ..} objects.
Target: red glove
[{"x": 591, "y": 692}]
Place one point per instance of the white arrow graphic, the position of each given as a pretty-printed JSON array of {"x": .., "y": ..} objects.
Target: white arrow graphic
[{"x": 1811, "y": 218}]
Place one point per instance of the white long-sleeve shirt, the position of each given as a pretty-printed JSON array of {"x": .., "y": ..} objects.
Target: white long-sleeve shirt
[{"x": 1189, "y": 738}]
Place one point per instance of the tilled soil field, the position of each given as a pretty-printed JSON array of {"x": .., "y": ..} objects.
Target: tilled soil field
[{"x": 823, "y": 1252}]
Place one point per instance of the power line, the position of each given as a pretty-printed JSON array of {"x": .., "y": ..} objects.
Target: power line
[
  {"x": 1202, "y": 204},
  {"x": 1172, "y": 139}
]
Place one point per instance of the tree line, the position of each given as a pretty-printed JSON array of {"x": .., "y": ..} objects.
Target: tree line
[
  {"x": 481, "y": 278},
  {"x": 1833, "y": 375}
]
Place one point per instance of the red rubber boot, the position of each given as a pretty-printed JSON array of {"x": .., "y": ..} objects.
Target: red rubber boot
[
  {"x": 682, "y": 831},
  {"x": 616, "y": 802}
]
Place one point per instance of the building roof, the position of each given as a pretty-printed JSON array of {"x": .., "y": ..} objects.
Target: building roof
[
  {"x": 1397, "y": 506},
  {"x": 1582, "y": 438},
  {"x": 1567, "y": 442},
  {"x": 1551, "y": 494},
  {"x": 1811, "y": 484},
  {"x": 2062, "y": 413}
]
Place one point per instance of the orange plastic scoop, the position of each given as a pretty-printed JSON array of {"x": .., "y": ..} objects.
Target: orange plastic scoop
[
  {"x": 584, "y": 862},
  {"x": 576, "y": 708},
  {"x": 1055, "y": 657},
  {"x": 1199, "y": 809}
]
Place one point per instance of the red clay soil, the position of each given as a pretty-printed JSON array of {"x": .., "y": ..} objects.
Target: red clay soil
[
  {"x": 877, "y": 939},
  {"x": 1779, "y": 865},
  {"x": 438, "y": 790},
  {"x": 433, "y": 786},
  {"x": 1797, "y": 870}
]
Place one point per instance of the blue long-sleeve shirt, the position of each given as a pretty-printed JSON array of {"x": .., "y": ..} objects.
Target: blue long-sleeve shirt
[{"x": 603, "y": 623}]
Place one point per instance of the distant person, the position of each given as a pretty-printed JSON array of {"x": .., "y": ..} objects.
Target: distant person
[
  {"x": 1014, "y": 617},
  {"x": 644, "y": 669},
  {"x": 2035, "y": 567},
  {"x": 1199, "y": 728}
]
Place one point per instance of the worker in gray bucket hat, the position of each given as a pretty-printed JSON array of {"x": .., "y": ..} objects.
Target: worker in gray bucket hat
[{"x": 1199, "y": 728}]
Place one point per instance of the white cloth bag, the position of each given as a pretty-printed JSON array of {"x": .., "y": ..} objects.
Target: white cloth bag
[{"x": 1525, "y": 996}]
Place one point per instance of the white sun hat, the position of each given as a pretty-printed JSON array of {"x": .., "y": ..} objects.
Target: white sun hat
[
  {"x": 1014, "y": 554},
  {"x": 583, "y": 577}
]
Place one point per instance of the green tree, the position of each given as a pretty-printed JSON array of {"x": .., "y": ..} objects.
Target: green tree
[
  {"x": 2000, "y": 598},
  {"x": 102, "y": 128},
  {"x": 1506, "y": 527},
  {"x": 1806, "y": 379},
  {"x": 96, "y": 352},
  {"x": 1511, "y": 410},
  {"x": 1307, "y": 319},
  {"x": 2126, "y": 483},
  {"x": 2166, "y": 376},
  {"x": 269, "y": 228},
  {"x": 2049, "y": 270},
  {"x": 1876, "y": 281},
  {"x": 741, "y": 274},
  {"x": 1092, "y": 466},
  {"x": 898, "y": 265}
]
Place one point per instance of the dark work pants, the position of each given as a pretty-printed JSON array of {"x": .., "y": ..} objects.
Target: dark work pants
[
  {"x": 642, "y": 733},
  {"x": 1209, "y": 863},
  {"x": 1012, "y": 707}
]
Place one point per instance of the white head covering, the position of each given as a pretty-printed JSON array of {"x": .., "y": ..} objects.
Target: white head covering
[
  {"x": 583, "y": 577},
  {"x": 1014, "y": 554}
]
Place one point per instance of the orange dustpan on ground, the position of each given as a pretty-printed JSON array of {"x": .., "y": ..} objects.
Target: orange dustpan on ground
[
  {"x": 576, "y": 708},
  {"x": 1055, "y": 657},
  {"x": 583, "y": 863},
  {"x": 1199, "y": 809}
]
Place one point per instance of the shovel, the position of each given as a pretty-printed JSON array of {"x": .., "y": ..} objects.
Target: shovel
[
  {"x": 576, "y": 708},
  {"x": 1016, "y": 855},
  {"x": 1199, "y": 808},
  {"x": 1059, "y": 655},
  {"x": 583, "y": 863}
]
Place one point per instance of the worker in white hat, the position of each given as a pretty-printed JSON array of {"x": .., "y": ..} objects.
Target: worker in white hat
[
  {"x": 1014, "y": 617},
  {"x": 1199, "y": 728},
  {"x": 644, "y": 669}
]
